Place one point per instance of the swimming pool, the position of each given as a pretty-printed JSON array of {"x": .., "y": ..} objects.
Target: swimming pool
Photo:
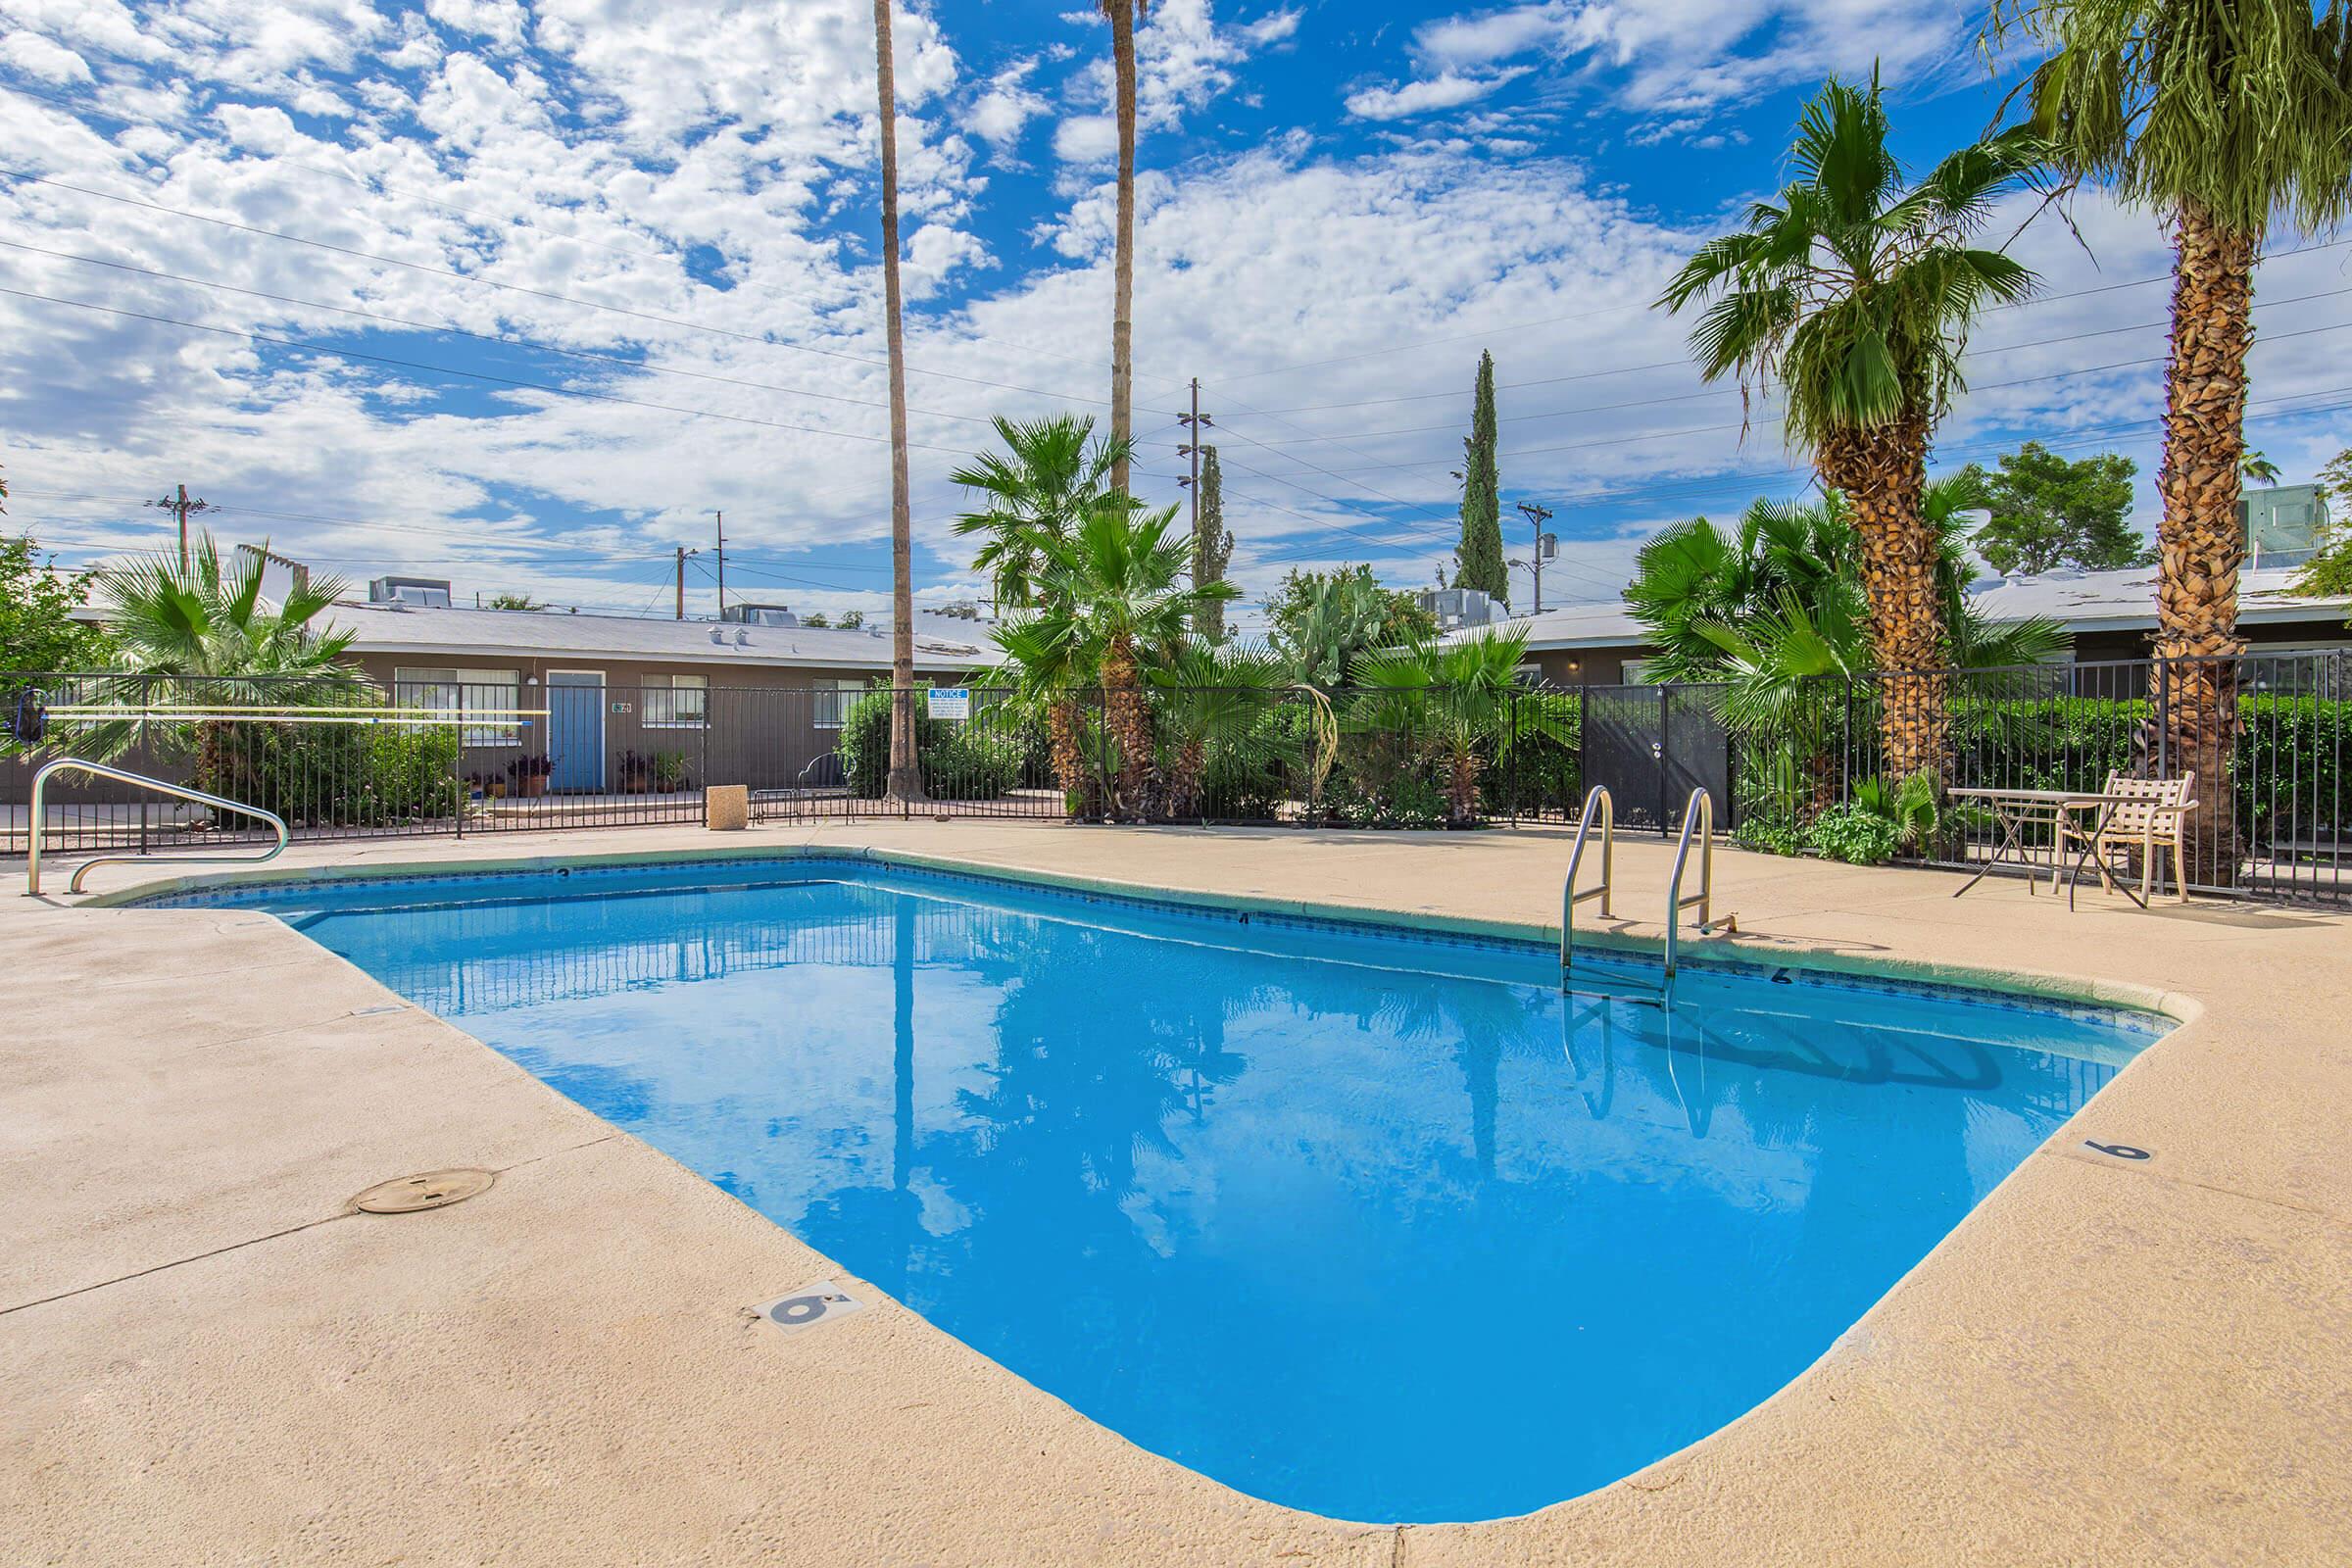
[{"x": 1372, "y": 1223}]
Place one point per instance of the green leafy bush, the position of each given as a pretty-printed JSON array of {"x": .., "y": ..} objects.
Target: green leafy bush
[
  {"x": 1406, "y": 798},
  {"x": 1853, "y": 834},
  {"x": 971, "y": 762},
  {"x": 335, "y": 775},
  {"x": 1770, "y": 835}
]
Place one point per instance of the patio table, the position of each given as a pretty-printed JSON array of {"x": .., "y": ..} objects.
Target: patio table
[{"x": 2017, "y": 809}]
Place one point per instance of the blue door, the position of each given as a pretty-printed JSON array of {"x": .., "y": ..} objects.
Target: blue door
[{"x": 575, "y": 729}]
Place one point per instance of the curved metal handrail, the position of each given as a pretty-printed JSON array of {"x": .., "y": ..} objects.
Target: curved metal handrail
[
  {"x": 40, "y": 783},
  {"x": 1597, "y": 803},
  {"x": 1699, "y": 810}
]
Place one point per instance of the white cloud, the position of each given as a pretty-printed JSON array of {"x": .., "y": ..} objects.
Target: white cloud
[
  {"x": 42, "y": 59},
  {"x": 1085, "y": 139},
  {"x": 499, "y": 20},
  {"x": 1272, "y": 28},
  {"x": 1000, "y": 113},
  {"x": 1685, "y": 57},
  {"x": 1184, "y": 61},
  {"x": 1445, "y": 90}
]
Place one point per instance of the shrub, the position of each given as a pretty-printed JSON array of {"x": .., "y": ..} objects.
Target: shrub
[
  {"x": 969, "y": 761},
  {"x": 1770, "y": 835},
  {"x": 337, "y": 775},
  {"x": 1406, "y": 798},
  {"x": 1853, "y": 834}
]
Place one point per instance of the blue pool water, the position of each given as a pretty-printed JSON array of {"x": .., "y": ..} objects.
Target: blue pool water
[{"x": 1382, "y": 1227}]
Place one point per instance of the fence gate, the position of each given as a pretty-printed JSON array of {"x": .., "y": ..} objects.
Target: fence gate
[{"x": 1652, "y": 746}]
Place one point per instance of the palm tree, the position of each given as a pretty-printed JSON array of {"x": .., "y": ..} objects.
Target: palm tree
[
  {"x": 1122, "y": 14},
  {"x": 1213, "y": 701},
  {"x": 1112, "y": 593},
  {"x": 1693, "y": 576},
  {"x": 1852, "y": 294},
  {"x": 1049, "y": 669},
  {"x": 1049, "y": 477},
  {"x": 1786, "y": 659},
  {"x": 2259, "y": 469},
  {"x": 203, "y": 631},
  {"x": 1460, "y": 699},
  {"x": 2222, "y": 115},
  {"x": 906, "y": 771}
]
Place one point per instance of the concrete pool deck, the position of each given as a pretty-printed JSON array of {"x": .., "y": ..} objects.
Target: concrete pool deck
[{"x": 205, "y": 1358}]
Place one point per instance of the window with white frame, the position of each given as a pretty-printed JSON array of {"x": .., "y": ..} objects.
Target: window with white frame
[
  {"x": 450, "y": 690},
  {"x": 677, "y": 702},
  {"x": 831, "y": 707}
]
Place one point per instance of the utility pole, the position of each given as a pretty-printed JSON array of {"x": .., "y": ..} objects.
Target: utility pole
[
  {"x": 180, "y": 506},
  {"x": 723, "y": 563},
  {"x": 683, "y": 553},
  {"x": 1193, "y": 423},
  {"x": 1547, "y": 545}
]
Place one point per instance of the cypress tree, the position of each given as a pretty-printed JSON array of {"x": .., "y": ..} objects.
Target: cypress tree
[
  {"x": 1478, "y": 559},
  {"x": 1213, "y": 548}
]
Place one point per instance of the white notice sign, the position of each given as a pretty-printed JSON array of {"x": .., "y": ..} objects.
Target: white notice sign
[{"x": 951, "y": 702}]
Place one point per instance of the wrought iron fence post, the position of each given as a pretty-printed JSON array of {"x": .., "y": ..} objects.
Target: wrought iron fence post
[
  {"x": 1512, "y": 771},
  {"x": 457, "y": 765},
  {"x": 1665, "y": 803}
]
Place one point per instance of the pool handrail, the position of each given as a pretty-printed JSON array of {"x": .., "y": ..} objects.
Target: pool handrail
[
  {"x": 41, "y": 784},
  {"x": 1597, "y": 804},
  {"x": 1699, "y": 810}
]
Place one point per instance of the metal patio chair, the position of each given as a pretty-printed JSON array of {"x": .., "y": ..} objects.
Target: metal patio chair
[{"x": 2147, "y": 815}]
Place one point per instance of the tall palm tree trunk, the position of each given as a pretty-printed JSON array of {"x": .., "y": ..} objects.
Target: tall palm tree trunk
[
  {"x": 906, "y": 781},
  {"x": 2200, "y": 542},
  {"x": 1129, "y": 716},
  {"x": 1882, "y": 470},
  {"x": 1066, "y": 735},
  {"x": 1122, "y": 308}
]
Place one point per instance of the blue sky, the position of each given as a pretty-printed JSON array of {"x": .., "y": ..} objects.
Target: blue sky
[{"x": 520, "y": 294}]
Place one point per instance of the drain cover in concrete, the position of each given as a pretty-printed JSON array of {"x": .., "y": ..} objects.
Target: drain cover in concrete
[
  {"x": 821, "y": 1302},
  {"x": 433, "y": 1189}
]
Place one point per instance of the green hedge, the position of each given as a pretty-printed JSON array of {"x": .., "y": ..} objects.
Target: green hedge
[
  {"x": 335, "y": 775},
  {"x": 2288, "y": 777},
  {"x": 969, "y": 761}
]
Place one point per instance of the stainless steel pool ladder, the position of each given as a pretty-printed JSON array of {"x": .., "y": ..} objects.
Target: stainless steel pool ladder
[
  {"x": 1597, "y": 806},
  {"x": 74, "y": 764},
  {"x": 1699, "y": 812}
]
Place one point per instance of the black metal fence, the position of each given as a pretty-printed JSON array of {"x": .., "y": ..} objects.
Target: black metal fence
[
  {"x": 465, "y": 758},
  {"x": 2262, "y": 740}
]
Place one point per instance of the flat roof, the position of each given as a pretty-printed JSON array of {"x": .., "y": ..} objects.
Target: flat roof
[
  {"x": 2124, "y": 599},
  {"x": 466, "y": 633}
]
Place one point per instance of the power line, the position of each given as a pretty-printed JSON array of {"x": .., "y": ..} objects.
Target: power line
[
  {"x": 1713, "y": 429},
  {"x": 1646, "y": 305},
  {"x": 1726, "y": 391}
]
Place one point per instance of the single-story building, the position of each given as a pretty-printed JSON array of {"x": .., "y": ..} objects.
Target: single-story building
[
  {"x": 2107, "y": 616},
  {"x": 752, "y": 700}
]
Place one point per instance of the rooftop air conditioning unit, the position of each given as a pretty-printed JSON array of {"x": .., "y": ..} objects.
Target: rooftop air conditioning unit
[{"x": 422, "y": 592}]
